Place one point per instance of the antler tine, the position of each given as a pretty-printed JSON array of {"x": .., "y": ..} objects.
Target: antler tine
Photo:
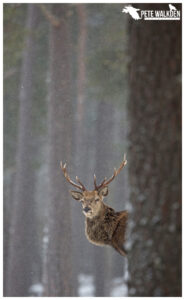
[
  {"x": 81, "y": 186},
  {"x": 97, "y": 187},
  {"x": 116, "y": 172},
  {"x": 95, "y": 182}
]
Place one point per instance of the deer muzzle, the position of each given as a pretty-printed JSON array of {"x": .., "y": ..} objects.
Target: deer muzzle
[{"x": 86, "y": 209}]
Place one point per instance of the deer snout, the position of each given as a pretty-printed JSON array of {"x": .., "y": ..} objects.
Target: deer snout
[{"x": 86, "y": 209}]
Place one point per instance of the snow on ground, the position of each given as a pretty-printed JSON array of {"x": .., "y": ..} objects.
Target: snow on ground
[
  {"x": 86, "y": 285},
  {"x": 118, "y": 288},
  {"x": 36, "y": 290}
]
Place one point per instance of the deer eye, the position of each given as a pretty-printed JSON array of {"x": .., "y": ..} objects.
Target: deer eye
[{"x": 97, "y": 199}]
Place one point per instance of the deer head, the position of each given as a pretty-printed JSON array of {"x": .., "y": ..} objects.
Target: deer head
[{"x": 92, "y": 201}]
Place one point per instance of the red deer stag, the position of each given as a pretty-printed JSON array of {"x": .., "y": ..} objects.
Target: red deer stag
[{"x": 103, "y": 226}]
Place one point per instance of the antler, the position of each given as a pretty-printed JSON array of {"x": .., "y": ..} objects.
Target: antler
[
  {"x": 79, "y": 186},
  {"x": 116, "y": 172}
]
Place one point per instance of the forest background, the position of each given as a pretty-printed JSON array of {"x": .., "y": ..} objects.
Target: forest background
[{"x": 85, "y": 83}]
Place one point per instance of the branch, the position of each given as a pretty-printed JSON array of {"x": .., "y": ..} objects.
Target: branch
[{"x": 49, "y": 16}]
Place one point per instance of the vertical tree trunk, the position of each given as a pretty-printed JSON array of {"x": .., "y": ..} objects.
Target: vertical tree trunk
[
  {"x": 60, "y": 122},
  {"x": 155, "y": 157},
  {"x": 7, "y": 215},
  {"x": 81, "y": 83},
  {"x": 81, "y": 58},
  {"x": 104, "y": 126},
  {"x": 22, "y": 236},
  {"x": 79, "y": 149}
]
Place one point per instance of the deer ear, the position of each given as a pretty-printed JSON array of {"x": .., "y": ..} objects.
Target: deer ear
[
  {"x": 76, "y": 195},
  {"x": 104, "y": 191}
]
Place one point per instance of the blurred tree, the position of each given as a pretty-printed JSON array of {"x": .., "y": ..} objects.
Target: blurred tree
[
  {"x": 59, "y": 257},
  {"x": 81, "y": 61},
  {"x": 13, "y": 38},
  {"x": 79, "y": 132},
  {"x": 155, "y": 157},
  {"x": 107, "y": 57},
  {"x": 22, "y": 248},
  {"x": 13, "y": 35}
]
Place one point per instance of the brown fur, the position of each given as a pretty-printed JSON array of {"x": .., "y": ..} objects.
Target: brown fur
[
  {"x": 103, "y": 226},
  {"x": 107, "y": 229}
]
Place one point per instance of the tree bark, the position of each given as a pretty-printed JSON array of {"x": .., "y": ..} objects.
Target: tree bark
[
  {"x": 81, "y": 58},
  {"x": 80, "y": 146},
  {"x": 59, "y": 257},
  {"x": 7, "y": 215},
  {"x": 22, "y": 253},
  {"x": 155, "y": 157}
]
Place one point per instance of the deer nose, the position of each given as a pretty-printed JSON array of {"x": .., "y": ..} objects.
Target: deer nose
[{"x": 86, "y": 209}]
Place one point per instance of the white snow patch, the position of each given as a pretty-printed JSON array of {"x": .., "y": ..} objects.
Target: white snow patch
[
  {"x": 118, "y": 288},
  {"x": 45, "y": 239},
  {"x": 86, "y": 285},
  {"x": 36, "y": 289}
]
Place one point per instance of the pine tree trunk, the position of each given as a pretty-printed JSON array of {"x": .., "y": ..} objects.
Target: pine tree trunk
[
  {"x": 80, "y": 145},
  {"x": 22, "y": 234},
  {"x": 155, "y": 157},
  {"x": 81, "y": 79},
  {"x": 59, "y": 256},
  {"x": 8, "y": 185}
]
